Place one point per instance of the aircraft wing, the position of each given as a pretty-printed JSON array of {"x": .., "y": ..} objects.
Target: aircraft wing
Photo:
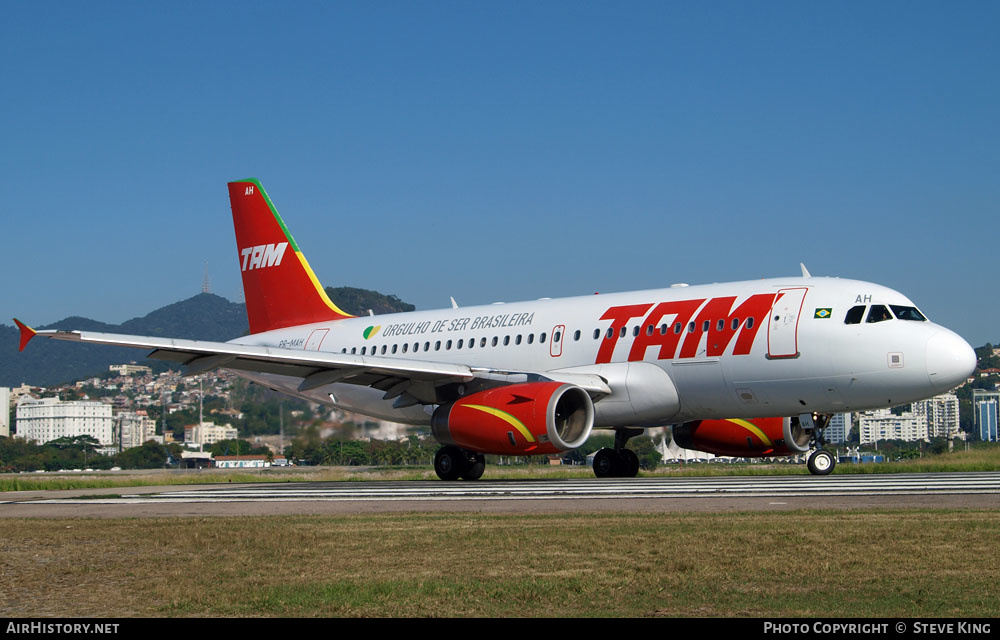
[{"x": 411, "y": 381}]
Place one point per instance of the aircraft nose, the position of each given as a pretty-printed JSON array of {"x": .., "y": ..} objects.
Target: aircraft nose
[{"x": 950, "y": 360}]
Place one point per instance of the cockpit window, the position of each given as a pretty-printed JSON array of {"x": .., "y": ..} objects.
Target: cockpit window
[
  {"x": 855, "y": 314},
  {"x": 907, "y": 313},
  {"x": 878, "y": 313}
]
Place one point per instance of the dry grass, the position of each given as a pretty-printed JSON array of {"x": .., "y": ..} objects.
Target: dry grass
[{"x": 886, "y": 564}]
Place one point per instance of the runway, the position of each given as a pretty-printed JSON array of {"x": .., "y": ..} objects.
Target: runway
[{"x": 940, "y": 490}]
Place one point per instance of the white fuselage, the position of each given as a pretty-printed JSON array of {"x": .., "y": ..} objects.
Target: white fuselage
[{"x": 796, "y": 356}]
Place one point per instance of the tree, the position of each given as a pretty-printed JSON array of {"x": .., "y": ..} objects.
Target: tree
[{"x": 151, "y": 455}]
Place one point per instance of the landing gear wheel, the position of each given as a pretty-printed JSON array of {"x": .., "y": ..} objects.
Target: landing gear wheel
[
  {"x": 477, "y": 466},
  {"x": 450, "y": 463},
  {"x": 628, "y": 464},
  {"x": 605, "y": 463},
  {"x": 821, "y": 462}
]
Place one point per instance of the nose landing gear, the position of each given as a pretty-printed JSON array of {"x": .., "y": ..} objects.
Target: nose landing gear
[{"x": 821, "y": 462}]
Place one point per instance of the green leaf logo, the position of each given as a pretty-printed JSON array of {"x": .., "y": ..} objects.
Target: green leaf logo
[{"x": 371, "y": 331}]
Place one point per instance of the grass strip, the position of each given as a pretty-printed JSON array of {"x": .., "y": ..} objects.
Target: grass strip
[{"x": 890, "y": 563}]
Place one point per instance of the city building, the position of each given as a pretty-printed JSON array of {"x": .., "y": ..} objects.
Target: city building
[
  {"x": 5, "y": 411},
  {"x": 883, "y": 424},
  {"x": 241, "y": 462},
  {"x": 838, "y": 429},
  {"x": 130, "y": 369},
  {"x": 208, "y": 433},
  {"x": 48, "y": 419},
  {"x": 941, "y": 413},
  {"x": 134, "y": 428},
  {"x": 986, "y": 411}
]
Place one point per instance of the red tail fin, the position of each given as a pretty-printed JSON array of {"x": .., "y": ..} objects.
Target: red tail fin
[{"x": 281, "y": 289}]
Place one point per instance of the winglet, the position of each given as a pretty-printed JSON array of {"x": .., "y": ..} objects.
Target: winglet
[
  {"x": 805, "y": 272},
  {"x": 27, "y": 333}
]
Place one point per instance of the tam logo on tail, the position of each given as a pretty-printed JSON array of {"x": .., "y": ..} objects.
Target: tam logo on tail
[
  {"x": 288, "y": 295},
  {"x": 263, "y": 255}
]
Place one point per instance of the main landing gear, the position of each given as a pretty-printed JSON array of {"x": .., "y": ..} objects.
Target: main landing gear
[
  {"x": 618, "y": 462},
  {"x": 452, "y": 463}
]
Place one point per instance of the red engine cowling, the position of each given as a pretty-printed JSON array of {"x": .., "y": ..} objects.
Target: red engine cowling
[
  {"x": 744, "y": 438},
  {"x": 518, "y": 419}
]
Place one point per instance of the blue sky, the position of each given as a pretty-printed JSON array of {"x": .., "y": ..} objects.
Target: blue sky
[{"x": 501, "y": 150}]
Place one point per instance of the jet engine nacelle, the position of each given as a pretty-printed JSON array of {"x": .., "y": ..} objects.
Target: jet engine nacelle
[
  {"x": 744, "y": 438},
  {"x": 518, "y": 419}
]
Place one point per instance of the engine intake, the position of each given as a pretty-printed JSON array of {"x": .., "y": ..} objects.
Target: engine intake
[{"x": 519, "y": 419}]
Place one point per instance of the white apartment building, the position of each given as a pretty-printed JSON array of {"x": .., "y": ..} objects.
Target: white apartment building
[
  {"x": 48, "y": 419},
  {"x": 130, "y": 369},
  {"x": 208, "y": 433},
  {"x": 883, "y": 424},
  {"x": 134, "y": 428},
  {"x": 941, "y": 413},
  {"x": 5, "y": 411}
]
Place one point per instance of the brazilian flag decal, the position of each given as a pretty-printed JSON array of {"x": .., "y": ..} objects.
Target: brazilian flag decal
[{"x": 823, "y": 313}]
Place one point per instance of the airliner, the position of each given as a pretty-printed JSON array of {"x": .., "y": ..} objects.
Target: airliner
[{"x": 748, "y": 369}]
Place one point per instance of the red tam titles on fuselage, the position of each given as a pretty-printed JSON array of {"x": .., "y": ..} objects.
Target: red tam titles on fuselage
[{"x": 716, "y": 318}]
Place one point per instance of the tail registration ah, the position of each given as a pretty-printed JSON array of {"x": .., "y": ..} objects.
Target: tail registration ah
[{"x": 745, "y": 369}]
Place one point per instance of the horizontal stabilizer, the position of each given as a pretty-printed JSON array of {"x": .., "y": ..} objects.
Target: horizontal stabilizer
[{"x": 27, "y": 333}]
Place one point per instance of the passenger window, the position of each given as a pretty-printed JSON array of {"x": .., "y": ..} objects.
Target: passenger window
[
  {"x": 907, "y": 313},
  {"x": 405, "y": 345},
  {"x": 624, "y": 332},
  {"x": 517, "y": 340},
  {"x": 749, "y": 324},
  {"x": 461, "y": 341},
  {"x": 482, "y": 343},
  {"x": 736, "y": 324},
  {"x": 383, "y": 349},
  {"x": 354, "y": 350},
  {"x": 394, "y": 348},
  {"x": 663, "y": 329},
  {"x": 437, "y": 345},
  {"x": 557, "y": 336},
  {"x": 720, "y": 325},
  {"x": 690, "y": 327},
  {"x": 704, "y": 326},
  {"x": 506, "y": 340},
  {"x": 531, "y": 338},
  {"x": 854, "y": 314},
  {"x": 447, "y": 346},
  {"x": 597, "y": 334},
  {"x": 878, "y": 313},
  {"x": 635, "y": 331},
  {"x": 541, "y": 338},
  {"x": 576, "y": 335},
  {"x": 495, "y": 341},
  {"x": 611, "y": 333},
  {"x": 678, "y": 327}
]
